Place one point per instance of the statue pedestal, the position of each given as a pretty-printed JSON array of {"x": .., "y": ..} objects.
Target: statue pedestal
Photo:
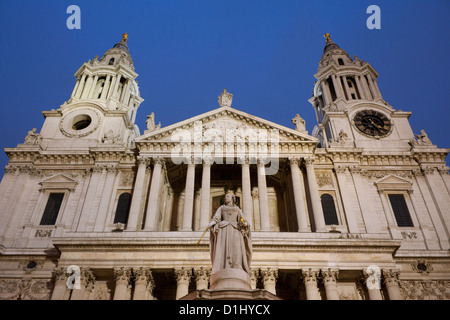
[
  {"x": 230, "y": 279},
  {"x": 230, "y": 284}
]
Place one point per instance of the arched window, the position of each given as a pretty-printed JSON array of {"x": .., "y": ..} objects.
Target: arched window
[
  {"x": 111, "y": 62},
  {"x": 341, "y": 62},
  {"x": 329, "y": 209},
  {"x": 123, "y": 208}
]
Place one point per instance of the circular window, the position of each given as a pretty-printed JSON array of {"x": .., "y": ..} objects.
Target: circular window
[
  {"x": 31, "y": 265},
  {"x": 81, "y": 122},
  {"x": 422, "y": 266}
]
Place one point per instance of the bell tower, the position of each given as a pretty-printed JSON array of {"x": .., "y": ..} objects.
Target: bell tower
[
  {"x": 350, "y": 109},
  {"x": 102, "y": 107}
]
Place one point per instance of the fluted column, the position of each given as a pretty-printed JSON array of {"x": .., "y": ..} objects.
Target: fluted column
[
  {"x": 329, "y": 278},
  {"x": 319, "y": 220},
  {"x": 372, "y": 281},
  {"x": 122, "y": 278},
  {"x": 390, "y": 278},
  {"x": 106, "y": 87},
  {"x": 202, "y": 277},
  {"x": 189, "y": 197},
  {"x": 299, "y": 195},
  {"x": 86, "y": 281},
  {"x": 183, "y": 277},
  {"x": 153, "y": 197},
  {"x": 310, "y": 281},
  {"x": 263, "y": 199},
  {"x": 247, "y": 203},
  {"x": 205, "y": 193},
  {"x": 138, "y": 194},
  {"x": 143, "y": 281},
  {"x": 60, "y": 288},
  {"x": 269, "y": 277}
]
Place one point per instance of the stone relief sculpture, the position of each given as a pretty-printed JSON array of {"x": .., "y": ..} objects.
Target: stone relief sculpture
[
  {"x": 111, "y": 138},
  {"x": 422, "y": 138},
  {"x": 230, "y": 238},
  {"x": 225, "y": 99}
]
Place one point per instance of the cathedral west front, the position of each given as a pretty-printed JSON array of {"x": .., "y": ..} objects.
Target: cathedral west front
[{"x": 93, "y": 209}]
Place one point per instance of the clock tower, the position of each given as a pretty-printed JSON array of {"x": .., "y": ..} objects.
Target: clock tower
[{"x": 350, "y": 109}]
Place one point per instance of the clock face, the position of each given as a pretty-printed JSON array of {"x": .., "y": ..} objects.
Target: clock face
[{"x": 372, "y": 123}]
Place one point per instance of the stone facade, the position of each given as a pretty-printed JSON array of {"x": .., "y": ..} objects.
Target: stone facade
[{"x": 358, "y": 210}]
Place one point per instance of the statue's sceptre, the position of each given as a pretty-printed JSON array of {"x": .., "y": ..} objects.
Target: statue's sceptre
[{"x": 198, "y": 242}]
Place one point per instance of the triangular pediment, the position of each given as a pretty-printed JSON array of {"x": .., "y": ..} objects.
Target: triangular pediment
[
  {"x": 222, "y": 122},
  {"x": 393, "y": 182},
  {"x": 59, "y": 181}
]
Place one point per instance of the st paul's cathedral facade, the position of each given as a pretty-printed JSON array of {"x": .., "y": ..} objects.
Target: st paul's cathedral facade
[{"x": 356, "y": 210}]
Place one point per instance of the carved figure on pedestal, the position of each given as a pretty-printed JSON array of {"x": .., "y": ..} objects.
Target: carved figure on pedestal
[{"x": 230, "y": 238}]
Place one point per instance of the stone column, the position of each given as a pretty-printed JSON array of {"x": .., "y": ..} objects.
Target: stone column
[
  {"x": 349, "y": 202},
  {"x": 338, "y": 86},
  {"x": 122, "y": 278},
  {"x": 360, "y": 88},
  {"x": 372, "y": 87},
  {"x": 100, "y": 221},
  {"x": 81, "y": 86},
  {"x": 391, "y": 281},
  {"x": 373, "y": 284},
  {"x": 326, "y": 92},
  {"x": 254, "y": 275},
  {"x": 97, "y": 172},
  {"x": 310, "y": 281},
  {"x": 75, "y": 88},
  {"x": 60, "y": 288},
  {"x": 256, "y": 216},
  {"x": 299, "y": 195},
  {"x": 346, "y": 88},
  {"x": 183, "y": 277},
  {"x": 189, "y": 197},
  {"x": 247, "y": 203},
  {"x": 269, "y": 277},
  {"x": 106, "y": 87},
  {"x": 319, "y": 220},
  {"x": 263, "y": 199},
  {"x": 153, "y": 197},
  {"x": 329, "y": 278},
  {"x": 202, "y": 277},
  {"x": 86, "y": 280},
  {"x": 93, "y": 85},
  {"x": 87, "y": 87},
  {"x": 143, "y": 280},
  {"x": 138, "y": 194},
  {"x": 206, "y": 192}
]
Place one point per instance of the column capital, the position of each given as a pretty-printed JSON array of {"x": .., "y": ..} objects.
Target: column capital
[
  {"x": 142, "y": 275},
  {"x": 207, "y": 161},
  {"x": 294, "y": 161},
  {"x": 59, "y": 274},
  {"x": 202, "y": 274},
  {"x": 122, "y": 275},
  {"x": 329, "y": 275},
  {"x": 159, "y": 160},
  {"x": 309, "y": 161},
  {"x": 310, "y": 275},
  {"x": 183, "y": 275},
  {"x": 245, "y": 160},
  {"x": 269, "y": 275},
  {"x": 390, "y": 277},
  {"x": 340, "y": 169},
  {"x": 87, "y": 277},
  {"x": 141, "y": 160}
]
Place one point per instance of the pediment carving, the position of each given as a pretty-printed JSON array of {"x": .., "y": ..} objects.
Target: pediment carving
[
  {"x": 59, "y": 181},
  {"x": 393, "y": 182}
]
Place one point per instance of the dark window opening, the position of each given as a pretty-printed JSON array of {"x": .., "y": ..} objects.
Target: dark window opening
[
  {"x": 332, "y": 90},
  {"x": 401, "y": 211},
  {"x": 52, "y": 209},
  {"x": 341, "y": 62},
  {"x": 123, "y": 208},
  {"x": 81, "y": 122},
  {"x": 329, "y": 209},
  {"x": 111, "y": 62},
  {"x": 353, "y": 96}
]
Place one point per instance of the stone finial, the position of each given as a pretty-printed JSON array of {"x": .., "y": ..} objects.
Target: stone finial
[{"x": 225, "y": 99}]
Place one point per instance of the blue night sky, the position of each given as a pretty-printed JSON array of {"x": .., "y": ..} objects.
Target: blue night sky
[{"x": 186, "y": 52}]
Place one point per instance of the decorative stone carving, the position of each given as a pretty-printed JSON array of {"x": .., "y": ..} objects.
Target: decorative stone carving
[
  {"x": 422, "y": 266},
  {"x": 299, "y": 123},
  {"x": 183, "y": 275},
  {"x": 111, "y": 138},
  {"x": 225, "y": 99},
  {"x": 33, "y": 137},
  {"x": 425, "y": 290},
  {"x": 122, "y": 275},
  {"x": 151, "y": 123},
  {"x": 324, "y": 179},
  {"x": 43, "y": 233}
]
